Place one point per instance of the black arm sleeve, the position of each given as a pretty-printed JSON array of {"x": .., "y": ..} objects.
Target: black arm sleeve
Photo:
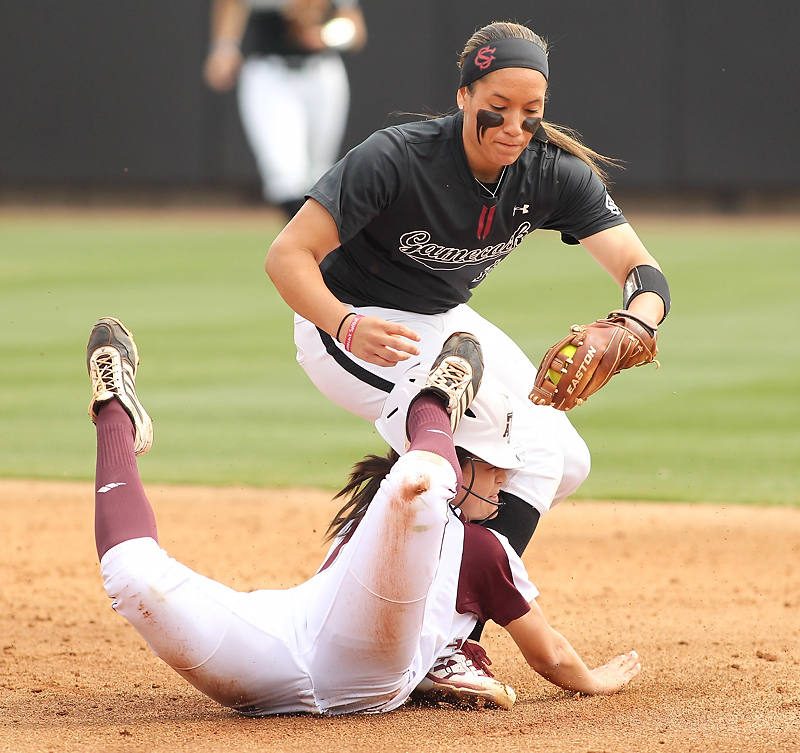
[{"x": 516, "y": 520}]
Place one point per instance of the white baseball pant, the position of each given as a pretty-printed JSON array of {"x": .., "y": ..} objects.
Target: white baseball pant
[
  {"x": 349, "y": 639},
  {"x": 294, "y": 120},
  {"x": 556, "y": 458}
]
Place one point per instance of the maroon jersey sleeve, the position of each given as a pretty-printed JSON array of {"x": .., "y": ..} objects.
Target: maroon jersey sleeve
[{"x": 486, "y": 584}]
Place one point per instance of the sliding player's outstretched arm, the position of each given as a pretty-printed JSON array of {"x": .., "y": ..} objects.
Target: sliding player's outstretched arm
[{"x": 550, "y": 655}]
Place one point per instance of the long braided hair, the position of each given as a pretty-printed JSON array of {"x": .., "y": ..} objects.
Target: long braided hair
[{"x": 360, "y": 489}]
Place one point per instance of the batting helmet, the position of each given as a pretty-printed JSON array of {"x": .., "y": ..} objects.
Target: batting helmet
[{"x": 485, "y": 429}]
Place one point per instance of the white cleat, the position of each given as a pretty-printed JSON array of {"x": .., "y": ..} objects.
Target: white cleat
[{"x": 112, "y": 360}]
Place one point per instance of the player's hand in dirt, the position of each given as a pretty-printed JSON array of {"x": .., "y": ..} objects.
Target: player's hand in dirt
[
  {"x": 617, "y": 673},
  {"x": 382, "y": 343}
]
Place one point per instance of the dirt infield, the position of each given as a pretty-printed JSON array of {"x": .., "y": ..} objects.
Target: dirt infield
[{"x": 709, "y": 596}]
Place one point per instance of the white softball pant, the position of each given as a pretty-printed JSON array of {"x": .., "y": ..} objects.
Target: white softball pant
[
  {"x": 346, "y": 640},
  {"x": 294, "y": 120},
  {"x": 556, "y": 458}
]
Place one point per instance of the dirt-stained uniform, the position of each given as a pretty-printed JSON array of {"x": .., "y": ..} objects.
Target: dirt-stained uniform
[{"x": 360, "y": 634}]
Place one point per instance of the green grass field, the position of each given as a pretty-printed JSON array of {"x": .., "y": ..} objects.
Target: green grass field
[{"x": 719, "y": 421}]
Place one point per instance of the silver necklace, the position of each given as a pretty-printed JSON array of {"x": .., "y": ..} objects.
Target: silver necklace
[{"x": 491, "y": 193}]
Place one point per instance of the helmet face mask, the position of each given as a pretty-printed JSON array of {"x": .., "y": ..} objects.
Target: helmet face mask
[
  {"x": 484, "y": 436},
  {"x": 463, "y": 458}
]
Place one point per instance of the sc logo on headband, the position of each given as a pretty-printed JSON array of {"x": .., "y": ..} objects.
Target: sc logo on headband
[{"x": 484, "y": 57}]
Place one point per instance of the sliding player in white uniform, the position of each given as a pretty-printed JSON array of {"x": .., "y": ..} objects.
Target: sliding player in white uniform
[{"x": 407, "y": 577}]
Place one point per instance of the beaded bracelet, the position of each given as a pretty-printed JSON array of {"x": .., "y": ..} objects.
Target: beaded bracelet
[
  {"x": 339, "y": 328},
  {"x": 348, "y": 340}
]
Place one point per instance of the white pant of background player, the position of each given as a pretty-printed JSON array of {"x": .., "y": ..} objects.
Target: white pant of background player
[
  {"x": 294, "y": 119},
  {"x": 556, "y": 458},
  {"x": 358, "y": 636}
]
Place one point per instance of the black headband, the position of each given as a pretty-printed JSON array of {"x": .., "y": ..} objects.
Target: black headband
[{"x": 505, "y": 53}]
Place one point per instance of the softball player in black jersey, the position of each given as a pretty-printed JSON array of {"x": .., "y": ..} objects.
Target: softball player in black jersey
[{"x": 381, "y": 260}]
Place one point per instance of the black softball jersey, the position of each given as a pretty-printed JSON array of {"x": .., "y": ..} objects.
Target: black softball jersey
[{"x": 417, "y": 230}]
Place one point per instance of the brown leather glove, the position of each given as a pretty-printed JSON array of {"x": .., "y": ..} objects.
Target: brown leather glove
[{"x": 583, "y": 362}]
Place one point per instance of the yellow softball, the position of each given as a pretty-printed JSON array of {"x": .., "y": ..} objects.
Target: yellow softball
[{"x": 568, "y": 351}]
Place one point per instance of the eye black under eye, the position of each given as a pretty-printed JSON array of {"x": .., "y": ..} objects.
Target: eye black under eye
[{"x": 531, "y": 125}]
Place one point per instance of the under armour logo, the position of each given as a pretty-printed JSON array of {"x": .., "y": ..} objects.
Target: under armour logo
[
  {"x": 109, "y": 487},
  {"x": 484, "y": 57},
  {"x": 523, "y": 209}
]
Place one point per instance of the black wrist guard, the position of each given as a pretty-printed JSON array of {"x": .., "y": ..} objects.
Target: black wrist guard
[{"x": 646, "y": 279}]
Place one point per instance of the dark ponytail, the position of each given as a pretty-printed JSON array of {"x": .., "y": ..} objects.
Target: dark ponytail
[{"x": 360, "y": 489}]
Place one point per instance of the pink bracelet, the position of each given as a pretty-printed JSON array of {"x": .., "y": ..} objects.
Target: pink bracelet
[{"x": 348, "y": 338}]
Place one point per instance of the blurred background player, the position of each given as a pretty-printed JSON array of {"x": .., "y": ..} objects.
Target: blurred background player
[
  {"x": 293, "y": 91},
  {"x": 408, "y": 575}
]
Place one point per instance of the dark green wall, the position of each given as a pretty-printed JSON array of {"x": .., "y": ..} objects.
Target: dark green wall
[{"x": 691, "y": 95}]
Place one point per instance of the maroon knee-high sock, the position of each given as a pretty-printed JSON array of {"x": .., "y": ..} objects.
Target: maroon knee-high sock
[
  {"x": 429, "y": 429},
  {"x": 121, "y": 508}
]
